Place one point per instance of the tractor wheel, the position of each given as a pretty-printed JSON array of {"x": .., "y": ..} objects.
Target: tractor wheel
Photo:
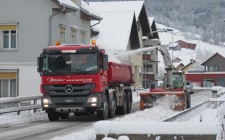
[
  {"x": 52, "y": 115},
  {"x": 103, "y": 114},
  {"x": 188, "y": 100}
]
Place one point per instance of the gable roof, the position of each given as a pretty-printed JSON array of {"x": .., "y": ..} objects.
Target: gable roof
[
  {"x": 186, "y": 45},
  {"x": 177, "y": 59},
  {"x": 114, "y": 23},
  {"x": 212, "y": 57},
  {"x": 191, "y": 62},
  {"x": 121, "y": 6}
]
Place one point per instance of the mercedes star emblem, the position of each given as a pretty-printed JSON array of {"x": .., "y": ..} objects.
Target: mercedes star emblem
[{"x": 69, "y": 88}]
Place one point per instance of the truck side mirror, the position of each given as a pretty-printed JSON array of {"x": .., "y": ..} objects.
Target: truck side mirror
[
  {"x": 39, "y": 64},
  {"x": 105, "y": 62}
]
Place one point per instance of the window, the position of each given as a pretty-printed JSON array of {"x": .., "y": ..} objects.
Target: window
[
  {"x": 8, "y": 84},
  {"x": 211, "y": 68},
  {"x": 83, "y": 35},
  {"x": 73, "y": 36},
  {"x": 62, "y": 35},
  {"x": 8, "y": 88},
  {"x": 8, "y": 36}
]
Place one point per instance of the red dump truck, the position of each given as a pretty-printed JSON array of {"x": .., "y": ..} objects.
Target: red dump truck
[{"x": 79, "y": 79}]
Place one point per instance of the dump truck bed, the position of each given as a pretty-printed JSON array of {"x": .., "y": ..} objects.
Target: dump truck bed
[{"x": 119, "y": 73}]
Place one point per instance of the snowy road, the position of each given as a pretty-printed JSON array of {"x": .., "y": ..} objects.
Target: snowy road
[{"x": 44, "y": 129}]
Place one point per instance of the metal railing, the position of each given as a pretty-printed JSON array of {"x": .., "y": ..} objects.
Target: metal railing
[
  {"x": 18, "y": 104},
  {"x": 189, "y": 113}
]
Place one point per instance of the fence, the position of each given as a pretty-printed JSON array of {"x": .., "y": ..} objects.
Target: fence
[{"x": 19, "y": 104}]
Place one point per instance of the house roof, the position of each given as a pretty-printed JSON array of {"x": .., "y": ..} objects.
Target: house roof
[
  {"x": 114, "y": 23},
  {"x": 89, "y": 12},
  {"x": 68, "y": 4},
  {"x": 212, "y": 57},
  {"x": 124, "y": 6},
  {"x": 119, "y": 6},
  {"x": 150, "y": 20},
  {"x": 176, "y": 64},
  {"x": 192, "y": 62},
  {"x": 177, "y": 59},
  {"x": 186, "y": 45}
]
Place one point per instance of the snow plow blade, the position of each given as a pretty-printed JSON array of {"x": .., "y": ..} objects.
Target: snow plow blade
[{"x": 148, "y": 98}]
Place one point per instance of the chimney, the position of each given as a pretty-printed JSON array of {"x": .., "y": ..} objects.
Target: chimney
[{"x": 77, "y": 2}]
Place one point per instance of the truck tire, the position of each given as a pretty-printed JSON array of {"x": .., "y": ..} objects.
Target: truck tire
[
  {"x": 112, "y": 110},
  {"x": 103, "y": 114},
  {"x": 122, "y": 110},
  {"x": 129, "y": 102},
  {"x": 64, "y": 115},
  {"x": 52, "y": 115}
]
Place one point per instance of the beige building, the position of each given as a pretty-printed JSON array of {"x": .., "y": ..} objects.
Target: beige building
[{"x": 121, "y": 31}]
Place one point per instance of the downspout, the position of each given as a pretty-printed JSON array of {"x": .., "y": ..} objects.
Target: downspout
[
  {"x": 96, "y": 23},
  {"x": 50, "y": 25}
]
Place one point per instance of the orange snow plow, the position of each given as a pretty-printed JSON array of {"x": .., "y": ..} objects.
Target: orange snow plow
[{"x": 181, "y": 99}]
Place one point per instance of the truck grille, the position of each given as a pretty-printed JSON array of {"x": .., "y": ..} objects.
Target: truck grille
[
  {"x": 68, "y": 104},
  {"x": 69, "y": 90}
]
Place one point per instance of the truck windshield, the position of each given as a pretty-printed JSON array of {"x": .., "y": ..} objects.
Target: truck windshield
[{"x": 70, "y": 64}]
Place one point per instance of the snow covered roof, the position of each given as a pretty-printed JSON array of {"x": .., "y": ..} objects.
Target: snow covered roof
[
  {"x": 86, "y": 8},
  {"x": 68, "y": 4},
  {"x": 150, "y": 20},
  {"x": 119, "y": 6},
  {"x": 114, "y": 23},
  {"x": 203, "y": 63}
]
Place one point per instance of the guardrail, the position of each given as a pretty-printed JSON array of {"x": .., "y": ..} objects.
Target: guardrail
[
  {"x": 18, "y": 104},
  {"x": 189, "y": 113}
]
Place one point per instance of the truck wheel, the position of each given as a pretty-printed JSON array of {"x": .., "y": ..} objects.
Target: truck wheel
[
  {"x": 122, "y": 110},
  {"x": 129, "y": 104},
  {"x": 52, "y": 115},
  {"x": 103, "y": 114},
  {"x": 112, "y": 110},
  {"x": 64, "y": 115}
]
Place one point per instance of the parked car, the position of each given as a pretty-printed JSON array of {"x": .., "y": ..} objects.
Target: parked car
[{"x": 190, "y": 87}]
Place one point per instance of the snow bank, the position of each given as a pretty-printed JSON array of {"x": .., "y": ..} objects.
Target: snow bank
[{"x": 112, "y": 127}]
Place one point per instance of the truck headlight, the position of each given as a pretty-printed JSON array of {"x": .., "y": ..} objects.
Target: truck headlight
[
  {"x": 92, "y": 100},
  {"x": 46, "y": 101}
]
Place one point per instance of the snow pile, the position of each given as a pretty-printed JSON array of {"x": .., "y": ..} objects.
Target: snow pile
[
  {"x": 25, "y": 117},
  {"x": 221, "y": 125},
  {"x": 111, "y": 127},
  {"x": 218, "y": 90}
]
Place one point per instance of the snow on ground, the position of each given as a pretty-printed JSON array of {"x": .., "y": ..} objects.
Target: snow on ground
[
  {"x": 149, "y": 122},
  {"x": 25, "y": 117},
  {"x": 150, "y": 118}
]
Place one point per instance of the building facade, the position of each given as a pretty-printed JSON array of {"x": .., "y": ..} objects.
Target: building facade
[
  {"x": 30, "y": 26},
  {"x": 213, "y": 75}
]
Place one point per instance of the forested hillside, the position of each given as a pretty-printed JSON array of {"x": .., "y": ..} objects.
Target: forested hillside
[{"x": 205, "y": 17}]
